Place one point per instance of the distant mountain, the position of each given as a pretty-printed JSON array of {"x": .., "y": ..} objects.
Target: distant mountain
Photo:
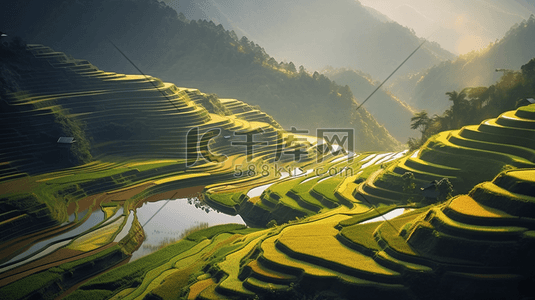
[
  {"x": 316, "y": 33},
  {"x": 194, "y": 54},
  {"x": 388, "y": 110},
  {"x": 459, "y": 26},
  {"x": 426, "y": 90}
]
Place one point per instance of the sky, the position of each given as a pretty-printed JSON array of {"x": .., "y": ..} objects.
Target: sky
[{"x": 459, "y": 26}]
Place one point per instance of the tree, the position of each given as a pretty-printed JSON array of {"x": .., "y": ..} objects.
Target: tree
[
  {"x": 478, "y": 96},
  {"x": 445, "y": 189},
  {"x": 528, "y": 70},
  {"x": 271, "y": 224},
  {"x": 420, "y": 121},
  {"x": 409, "y": 186},
  {"x": 414, "y": 143},
  {"x": 291, "y": 67},
  {"x": 456, "y": 98},
  {"x": 458, "y": 107},
  {"x": 272, "y": 62}
]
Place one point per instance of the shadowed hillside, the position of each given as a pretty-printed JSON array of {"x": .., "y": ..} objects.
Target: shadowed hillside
[
  {"x": 193, "y": 53},
  {"x": 388, "y": 110},
  {"x": 318, "y": 33}
]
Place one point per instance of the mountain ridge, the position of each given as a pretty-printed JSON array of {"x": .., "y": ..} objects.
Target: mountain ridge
[
  {"x": 389, "y": 111},
  {"x": 319, "y": 33}
]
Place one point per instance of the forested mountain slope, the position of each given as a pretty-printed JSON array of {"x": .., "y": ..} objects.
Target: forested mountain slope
[
  {"x": 316, "y": 33},
  {"x": 389, "y": 111},
  {"x": 191, "y": 53}
]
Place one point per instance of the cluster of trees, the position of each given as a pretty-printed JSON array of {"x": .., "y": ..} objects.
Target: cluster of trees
[
  {"x": 300, "y": 30},
  {"x": 470, "y": 106}
]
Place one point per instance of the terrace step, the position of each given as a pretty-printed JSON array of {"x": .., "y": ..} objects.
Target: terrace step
[
  {"x": 525, "y": 112},
  {"x": 309, "y": 203},
  {"x": 371, "y": 188},
  {"x": 360, "y": 194},
  {"x": 465, "y": 209},
  {"x": 210, "y": 293},
  {"x": 345, "y": 260},
  {"x": 490, "y": 126},
  {"x": 311, "y": 273},
  {"x": 267, "y": 275},
  {"x": 442, "y": 223},
  {"x": 510, "y": 119},
  {"x": 492, "y": 195},
  {"x": 409, "y": 238},
  {"x": 424, "y": 166},
  {"x": 259, "y": 286},
  {"x": 360, "y": 238},
  {"x": 384, "y": 259},
  {"x": 401, "y": 168},
  {"x": 324, "y": 193},
  {"x": 478, "y": 253},
  {"x": 442, "y": 142},
  {"x": 472, "y": 132},
  {"x": 517, "y": 181},
  {"x": 516, "y": 151}
]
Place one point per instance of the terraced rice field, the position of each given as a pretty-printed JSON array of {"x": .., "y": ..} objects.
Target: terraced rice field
[
  {"x": 381, "y": 258},
  {"x": 138, "y": 126},
  {"x": 319, "y": 225}
]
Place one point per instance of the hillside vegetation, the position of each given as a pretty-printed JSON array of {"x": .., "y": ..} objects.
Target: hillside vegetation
[
  {"x": 195, "y": 53},
  {"x": 472, "y": 105},
  {"x": 317, "y": 33}
]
